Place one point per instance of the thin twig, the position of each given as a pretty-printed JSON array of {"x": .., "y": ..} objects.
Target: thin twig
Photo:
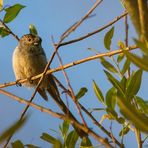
[
  {"x": 107, "y": 54},
  {"x": 96, "y": 31},
  {"x": 73, "y": 28},
  {"x": 9, "y": 30},
  {"x": 60, "y": 116},
  {"x": 70, "y": 87},
  {"x": 48, "y": 64},
  {"x": 126, "y": 39},
  {"x": 90, "y": 115}
]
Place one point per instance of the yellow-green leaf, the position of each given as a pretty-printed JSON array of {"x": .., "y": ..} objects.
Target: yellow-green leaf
[
  {"x": 143, "y": 45},
  {"x": 1, "y": 4},
  {"x": 32, "y": 29},
  {"x": 86, "y": 143},
  {"x": 138, "y": 61},
  {"x": 72, "y": 139},
  {"x": 108, "y": 38},
  {"x": 129, "y": 111},
  {"x": 17, "y": 144},
  {"x": 13, "y": 128},
  {"x": 98, "y": 92},
  {"x": 81, "y": 93},
  {"x": 108, "y": 65},
  {"x": 111, "y": 97},
  {"x": 126, "y": 66},
  {"x": 134, "y": 85},
  {"x": 12, "y": 12}
]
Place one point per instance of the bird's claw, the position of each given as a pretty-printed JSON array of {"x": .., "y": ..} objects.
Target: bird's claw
[
  {"x": 29, "y": 80},
  {"x": 18, "y": 83}
]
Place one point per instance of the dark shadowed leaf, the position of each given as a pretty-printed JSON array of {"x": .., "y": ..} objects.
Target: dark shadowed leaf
[
  {"x": 108, "y": 38},
  {"x": 17, "y": 144},
  {"x": 81, "y": 93},
  {"x": 138, "y": 61},
  {"x": 3, "y": 32},
  {"x": 12, "y": 12},
  {"x": 111, "y": 97},
  {"x": 124, "y": 130},
  {"x": 72, "y": 139},
  {"x": 86, "y": 143},
  {"x": 13, "y": 128},
  {"x": 33, "y": 30},
  {"x": 98, "y": 92},
  {"x": 108, "y": 65},
  {"x": 134, "y": 85}
]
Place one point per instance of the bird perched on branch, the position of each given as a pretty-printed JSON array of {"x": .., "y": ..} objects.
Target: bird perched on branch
[{"x": 28, "y": 60}]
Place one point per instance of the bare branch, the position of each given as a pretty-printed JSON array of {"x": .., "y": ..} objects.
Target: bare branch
[
  {"x": 107, "y": 54},
  {"x": 60, "y": 116}
]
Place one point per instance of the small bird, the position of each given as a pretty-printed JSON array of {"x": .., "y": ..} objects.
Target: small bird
[{"x": 28, "y": 60}]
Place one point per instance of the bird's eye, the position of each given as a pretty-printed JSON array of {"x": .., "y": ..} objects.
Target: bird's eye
[{"x": 29, "y": 39}]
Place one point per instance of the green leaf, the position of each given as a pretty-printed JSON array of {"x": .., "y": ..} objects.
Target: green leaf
[
  {"x": 138, "y": 61},
  {"x": 32, "y": 29},
  {"x": 142, "y": 105},
  {"x": 86, "y": 143},
  {"x": 129, "y": 111},
  {"x": 98, "y": 92},
  {"x": 108, "y": 38},
  {"x": 31, "y": 146},
  {"x": 64, "y": 128},
  {"x": 126, "y": 66},
  {"x": 13, "y": 128},
  {"x": 111, "y": 96},
  {"x": 112, "y": 113},
  {"x": 115, "y": 83},
  {"x": 134, "y": 85},
  {"x": 81, "y": 93},
  {"x": 72, "y": 139},
  {"x": 17, "y": 144},
  {"x": 120, "y": 57},
  {"x": 124, "y": 131},
  {"x": 12, "y": 12},
  {"x": 58, "y": 144},
  {"x": 142, "y": 45},
  {"x": 121, "y": 45},
  {"x": 4, "y": 32},
  {"x": 108, "y": 65},
  {"x": 48, "y": 138},
  {"x": 123, "y": 83}
]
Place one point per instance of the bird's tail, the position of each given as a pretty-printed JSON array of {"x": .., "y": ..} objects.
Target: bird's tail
[{"x": 54, "y": 93}]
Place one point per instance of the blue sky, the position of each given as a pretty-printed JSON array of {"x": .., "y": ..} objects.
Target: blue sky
[{"x": 52, "y": 18}]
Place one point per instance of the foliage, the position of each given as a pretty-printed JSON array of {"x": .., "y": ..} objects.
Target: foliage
[{"x": 121, "y": 103}]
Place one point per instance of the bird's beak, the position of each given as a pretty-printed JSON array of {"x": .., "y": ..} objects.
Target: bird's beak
[{"x": 36, "y": 43}]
